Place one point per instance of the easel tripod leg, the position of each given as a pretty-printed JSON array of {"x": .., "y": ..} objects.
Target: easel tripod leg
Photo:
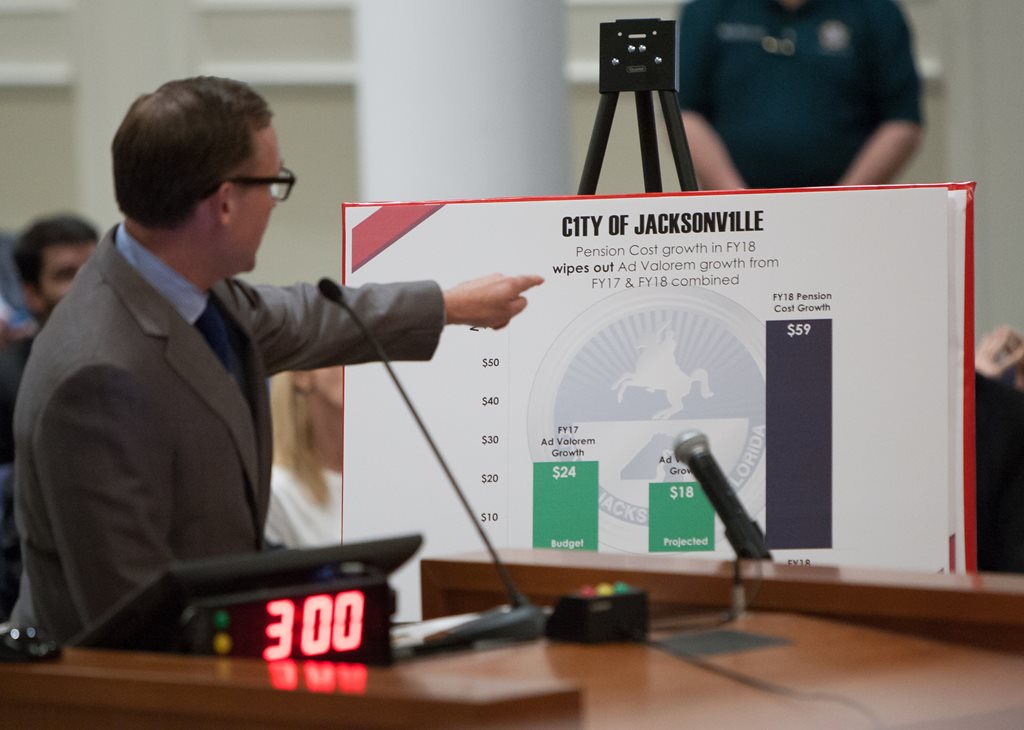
[
  {"x": 648, "y": 141},
  {"x": 677, "y": 140},
  {"x": 598, "y": 143}
]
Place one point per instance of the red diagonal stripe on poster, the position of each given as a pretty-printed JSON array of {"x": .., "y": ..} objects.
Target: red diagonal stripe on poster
[{"x": 385, "y": 226}]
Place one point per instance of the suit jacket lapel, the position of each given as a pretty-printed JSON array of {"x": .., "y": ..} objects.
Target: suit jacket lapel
[{"x": 188, "y": 354}]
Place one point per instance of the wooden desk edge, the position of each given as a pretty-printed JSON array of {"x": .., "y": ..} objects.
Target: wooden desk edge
[
  {"x": 984, "y": 610},
  {"x": 90, "y": 687}
]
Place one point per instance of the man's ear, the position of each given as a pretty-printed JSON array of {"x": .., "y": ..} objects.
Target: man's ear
[
  {"x": 221, "y": 204},
  {"x": 33, "y": 299}
]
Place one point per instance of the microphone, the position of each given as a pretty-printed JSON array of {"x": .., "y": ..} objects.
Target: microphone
[
  {"x": 520, "y": 620},
  {"x": 745, "y": 536}
]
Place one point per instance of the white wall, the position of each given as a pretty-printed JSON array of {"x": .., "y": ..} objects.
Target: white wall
[
  {"x": 69, "y": 69},
  {"x": 985, "y": 142}
]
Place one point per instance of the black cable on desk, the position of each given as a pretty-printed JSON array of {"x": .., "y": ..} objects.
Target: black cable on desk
[{"x": 773, "y": 688}]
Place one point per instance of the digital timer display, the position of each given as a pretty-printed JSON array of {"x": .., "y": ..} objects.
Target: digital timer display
[
  {"x": 328, "y": 623},
  {"x": 348, "y": 620}
]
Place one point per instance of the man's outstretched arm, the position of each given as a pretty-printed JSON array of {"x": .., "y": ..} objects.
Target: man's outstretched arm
[{"x": 490, "y": 301}]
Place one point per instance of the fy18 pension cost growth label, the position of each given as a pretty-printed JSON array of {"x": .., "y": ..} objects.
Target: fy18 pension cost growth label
[{"x": 808, "y": 334}]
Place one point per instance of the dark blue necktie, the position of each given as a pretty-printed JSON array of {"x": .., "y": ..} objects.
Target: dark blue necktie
[{"x": 211, "y": 325}]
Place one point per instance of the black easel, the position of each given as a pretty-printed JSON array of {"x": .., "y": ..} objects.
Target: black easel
[{"x": 639, "y": 56}]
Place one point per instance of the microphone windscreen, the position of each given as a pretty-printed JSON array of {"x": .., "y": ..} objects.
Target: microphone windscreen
[
  {"x": 688, "y": 444},
  {"x": 330, "y": 290}
]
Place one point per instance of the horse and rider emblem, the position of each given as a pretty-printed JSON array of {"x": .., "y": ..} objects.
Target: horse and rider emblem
[{"x": 657, "y": 369}]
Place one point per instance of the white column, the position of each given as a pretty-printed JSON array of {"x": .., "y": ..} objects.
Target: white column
[{"x": 461, "y": 98}]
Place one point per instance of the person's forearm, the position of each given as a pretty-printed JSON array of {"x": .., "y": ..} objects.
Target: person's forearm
[
  {"x": 884, "y": 154},
  {"x": 711, "y": 160}
]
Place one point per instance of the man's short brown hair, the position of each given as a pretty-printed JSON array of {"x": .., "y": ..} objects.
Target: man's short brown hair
[{"x": 177, "y": 144}]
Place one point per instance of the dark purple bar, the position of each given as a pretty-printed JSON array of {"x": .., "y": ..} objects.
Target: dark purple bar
[{"x": 798, "y": 511}]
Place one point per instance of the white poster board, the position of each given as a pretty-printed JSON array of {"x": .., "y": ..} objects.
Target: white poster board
[{"x": 817, "y": 337}]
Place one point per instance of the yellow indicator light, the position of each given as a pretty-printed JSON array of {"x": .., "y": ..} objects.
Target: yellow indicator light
[{"x": 222, "y": 643}]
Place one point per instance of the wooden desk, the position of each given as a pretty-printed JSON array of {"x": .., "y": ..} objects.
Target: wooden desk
[
  {"x": 983, "y": 610},
  {"x": 829, "y": 675},
  {"x": 836, "y": 672},
  {"x": 89, "y": 688},
  {"x": 823, "y": 672}
]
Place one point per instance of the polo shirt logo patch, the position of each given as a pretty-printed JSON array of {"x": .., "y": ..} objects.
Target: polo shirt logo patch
[{"x": 834, "y": 36}]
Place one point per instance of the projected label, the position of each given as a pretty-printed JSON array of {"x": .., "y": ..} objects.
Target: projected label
[{"x": 682, "y": 519}]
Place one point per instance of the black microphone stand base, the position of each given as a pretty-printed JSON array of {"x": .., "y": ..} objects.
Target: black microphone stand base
[{"x": 504, "y": 624}]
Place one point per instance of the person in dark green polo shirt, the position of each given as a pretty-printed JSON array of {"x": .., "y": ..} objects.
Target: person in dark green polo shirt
[{"x": 797, "y": 93}]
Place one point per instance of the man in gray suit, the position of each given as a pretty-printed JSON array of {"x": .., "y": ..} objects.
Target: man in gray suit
[{"x": 142, "y": 426}]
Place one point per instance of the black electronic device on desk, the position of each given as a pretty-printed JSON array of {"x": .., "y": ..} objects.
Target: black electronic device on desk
[
  {"x": 330, "y": 604},
  {"x": 595, "y": 614}
]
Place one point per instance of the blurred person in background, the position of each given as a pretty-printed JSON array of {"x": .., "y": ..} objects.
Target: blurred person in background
[
  {"x": 797, "y": 93},
  {"x": 1000, "y": 356},
  {"x": 15, "y": 320},
  {"x": 305, "y": 482},
  {"x": 48, "y": 254},
  {"x": 999, "y": 449}
]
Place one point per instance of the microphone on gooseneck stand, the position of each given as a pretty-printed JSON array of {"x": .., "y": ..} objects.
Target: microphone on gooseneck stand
[
  {"x": 741, "y": 531},
  {"x": 518, "y": 621}
]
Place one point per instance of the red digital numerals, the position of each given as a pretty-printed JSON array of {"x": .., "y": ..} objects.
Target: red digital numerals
[{"x": 326, "y": 623}]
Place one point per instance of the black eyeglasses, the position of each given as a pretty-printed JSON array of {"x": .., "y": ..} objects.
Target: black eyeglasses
[{"x": 280, "y": 185}]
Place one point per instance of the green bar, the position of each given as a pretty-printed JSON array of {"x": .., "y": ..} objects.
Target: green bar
[
  {"x": 565, "y": 505},
  {"x": 682, "y": 519}
]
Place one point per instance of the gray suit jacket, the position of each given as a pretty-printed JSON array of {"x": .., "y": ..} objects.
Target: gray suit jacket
[{"x": 134, "y": 445}]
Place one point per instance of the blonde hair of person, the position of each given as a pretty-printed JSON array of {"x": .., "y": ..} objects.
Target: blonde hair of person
[{"x": 294, "y": 447}]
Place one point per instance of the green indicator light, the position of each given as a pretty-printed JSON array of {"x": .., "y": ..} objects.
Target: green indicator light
[{"x": 221, "y": 620}]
